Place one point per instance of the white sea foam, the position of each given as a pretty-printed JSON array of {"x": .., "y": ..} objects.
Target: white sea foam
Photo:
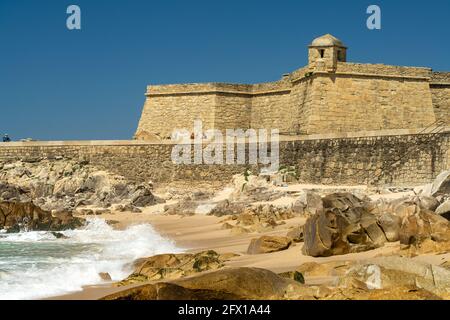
[{"x": 37, "y": 264}]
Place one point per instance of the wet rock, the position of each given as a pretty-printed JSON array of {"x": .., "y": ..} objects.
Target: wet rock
[
  {"x": 59, "y": 235},
  {"x": 268, "y": 244},
  {"x": 173, "y": 266},
  {"x": 16, "y": 216},
  {"x": 105, "y": 276}
]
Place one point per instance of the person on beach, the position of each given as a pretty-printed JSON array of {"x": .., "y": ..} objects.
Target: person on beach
[{"x": 6, "y": 138}]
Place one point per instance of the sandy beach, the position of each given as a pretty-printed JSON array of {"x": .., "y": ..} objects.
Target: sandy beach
[{"x": 199, "y": 233}]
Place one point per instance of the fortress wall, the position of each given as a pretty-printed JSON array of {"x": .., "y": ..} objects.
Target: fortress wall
[
  {"x": 273, "y": 111},
  {"x": 384, "y": 160},
  {"x": 267, "y": 87},
  {"x": 383, "y": 70},
  {"x": 440, "y": 77},
  {"x": 356, "y": 97},
  {"x": 440, "y": 92},
  {"x": 301, "y": 101},
  {"x": 232, "y": 111},
  {"x": 392, "y": 159},
  {"x": 441, "y": 102},
  {"x": 163, "y": 113},
  {"x": 346, "y": 103}
]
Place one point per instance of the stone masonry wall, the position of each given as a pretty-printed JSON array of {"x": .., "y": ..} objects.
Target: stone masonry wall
[
  {"x": 353, "y": 98},
  {"x": 348, "y": 103},
  {"x": 383, "y": 160},
  {"x": 164, "y": 113},
  {"x": 405, "y": 159}
]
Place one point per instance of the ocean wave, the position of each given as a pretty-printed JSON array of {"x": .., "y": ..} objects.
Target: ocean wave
[{"x": 37, "y": 264}]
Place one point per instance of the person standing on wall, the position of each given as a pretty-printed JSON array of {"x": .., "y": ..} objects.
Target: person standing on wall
[{"x": 6, "y": 138}]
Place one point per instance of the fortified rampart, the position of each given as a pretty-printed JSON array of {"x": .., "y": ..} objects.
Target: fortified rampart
[
  {"x": 329, "y": 95},
  {"x": 392, "y": 157},
  {"x": 341, "y": 123}
]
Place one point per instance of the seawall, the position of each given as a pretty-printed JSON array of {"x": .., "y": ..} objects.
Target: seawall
[{"x": 390, "y": 157}]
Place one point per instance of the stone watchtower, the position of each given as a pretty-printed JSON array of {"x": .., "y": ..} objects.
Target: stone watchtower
[{"x": 325, "y": 52}]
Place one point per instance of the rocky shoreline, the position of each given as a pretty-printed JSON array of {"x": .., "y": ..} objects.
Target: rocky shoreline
[{"x": 271, "y": 237}]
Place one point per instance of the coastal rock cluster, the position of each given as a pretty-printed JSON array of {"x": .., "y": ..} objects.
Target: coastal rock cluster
[
  {"x": 173, "y": 266},
  {"x": 270, "y": 217},
  {"x": 43, "y": 194},
  {"x": 337, "y": 222},
  {"x": 348, "y": 224},
  {"x": 226, "y": 284},
  {"x": 25, "y": 216},
  {"x": 385, "y": 278},
  {"x": 65, "y": 185}
]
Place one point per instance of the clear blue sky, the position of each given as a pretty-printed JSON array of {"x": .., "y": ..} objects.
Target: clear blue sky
[{"x": 89, "y": 84}]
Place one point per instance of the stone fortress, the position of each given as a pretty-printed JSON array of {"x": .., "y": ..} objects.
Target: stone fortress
[
  {"x": 341, "y": 123},
  {"x": 329, "y": 95}
]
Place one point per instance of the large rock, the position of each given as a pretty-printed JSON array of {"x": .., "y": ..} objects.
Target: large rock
[
  {"x": 390, "y": 224},
  {"x": 441, "y": 185},
  {"x": 404, "y": 206},
  {"x": 345, "y": 226},
  {"x": 18, "y": 216},
  {"x": 173, "y": 266},
  {"x": 142, "y": 196},
  {"x": 424, "y": 225},
  {"x": 226, "y": 284},
  {"x": 268, "y": 244},
  {"x": 308, "y": 202},
  {"x": 343, "y": 201},
  {"x": 388, "y": 272}
]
